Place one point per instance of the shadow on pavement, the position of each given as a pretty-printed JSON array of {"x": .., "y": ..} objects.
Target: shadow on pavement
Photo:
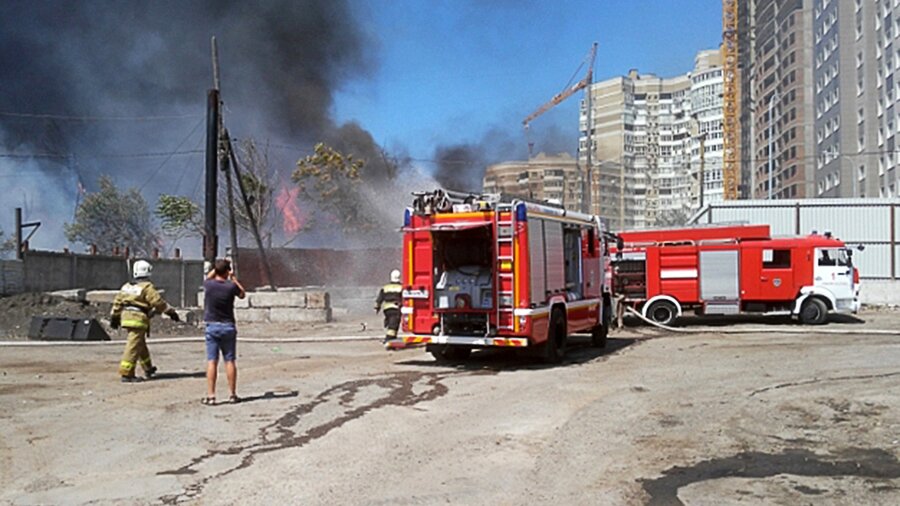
[
  {"x": 178, "y": 375},
  {"x": 269, "y": 396},
  {"x": 579, "y": 351},
  {"x": 725, "y": 321}
]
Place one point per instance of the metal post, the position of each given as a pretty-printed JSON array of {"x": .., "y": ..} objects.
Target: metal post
[
  {"x": 589, "y": 173},
  {"x": 702, "y": 166},
  {"x": 18, "y": 233},
  {"x": 210, "y": 240},
  {"x": 771, "y": 141}
]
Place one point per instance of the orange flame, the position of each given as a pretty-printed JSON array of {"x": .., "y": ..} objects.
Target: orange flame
[{"x": 286, "y": 201}]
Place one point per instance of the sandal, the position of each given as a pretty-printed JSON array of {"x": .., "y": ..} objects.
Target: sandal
[
  {"x": 234, "y": 399},
  {"x": 208, "y": 401}
]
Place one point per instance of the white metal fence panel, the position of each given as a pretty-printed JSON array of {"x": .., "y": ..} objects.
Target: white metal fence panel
[
  {"x": 851, "y": 224},
  {"x": 780, "y": 219},
  {"x": 874, "y": 261}
]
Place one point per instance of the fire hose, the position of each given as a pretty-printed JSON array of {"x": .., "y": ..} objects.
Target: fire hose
[
  {"x": 806, "y": 330},
  {"x": 332, "y": 339},
  {"x": 180, "y": 340}
]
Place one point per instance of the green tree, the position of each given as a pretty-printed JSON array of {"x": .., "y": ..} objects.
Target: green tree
[
  {"x": 333, "y": 180},
  {"x": 7, "y": 245},
  {"x": 179, "y": 217},
  {"x": 109, "y": 218}
]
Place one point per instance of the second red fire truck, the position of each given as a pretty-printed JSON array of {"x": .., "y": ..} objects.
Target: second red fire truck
[
  {"x": 724, "y": 270},
  {"x": 479, "y": 271}
]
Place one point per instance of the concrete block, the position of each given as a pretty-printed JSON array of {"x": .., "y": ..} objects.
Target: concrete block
[
  {"x": 109, "y": 296},
  {"x": 318, "y": 300},
  {"x": 292, "y": 289},
  {"x": 190, "y": 316},
  {"x": 277, "y": 299},
  {"x": 281, "y": 315},
  {"x": 238, "y": 303},
  {"x": 251, "y": 315},
  {"x": 76, "y": 294},
  {"x": 106, "y": 296}
]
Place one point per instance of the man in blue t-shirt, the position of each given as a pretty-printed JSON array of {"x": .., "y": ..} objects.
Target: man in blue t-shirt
[{"x": 220, "y": 288}]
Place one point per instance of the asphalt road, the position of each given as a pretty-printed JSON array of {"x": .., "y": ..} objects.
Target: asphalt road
[{"x": 761, "y": 418}]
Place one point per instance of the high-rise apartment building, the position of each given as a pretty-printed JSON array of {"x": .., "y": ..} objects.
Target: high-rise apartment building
[
  {"x": 845, "y": 124},
  {"x": 706, "y": 138},
  {"x": 783, "y": 118},
  {"x": 877, "y": 29},
  {"x": 646, "y": 144},
  {"x": 554, "y": 178},
  {"x": 641, "y": 149},
  {"x": 826, "y": 67}
]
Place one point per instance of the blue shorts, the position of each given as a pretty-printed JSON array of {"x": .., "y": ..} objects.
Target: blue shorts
[{"x": 221, "y": 336}]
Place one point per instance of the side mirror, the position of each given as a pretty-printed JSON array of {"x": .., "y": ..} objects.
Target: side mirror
[{"x": 861, "y": 247}]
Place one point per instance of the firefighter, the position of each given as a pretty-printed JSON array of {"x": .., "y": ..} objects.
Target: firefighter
[
  {"x": 389, "y": 301},
  {"x": 137, "y": 302}
]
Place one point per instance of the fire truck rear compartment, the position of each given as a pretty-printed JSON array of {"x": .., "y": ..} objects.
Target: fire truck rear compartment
[{"x": 463, "y": 280}]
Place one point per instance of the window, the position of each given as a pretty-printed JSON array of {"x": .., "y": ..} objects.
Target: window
[
  {"x": 833, "y": 257},
  {"x": 776, "y": 258}
]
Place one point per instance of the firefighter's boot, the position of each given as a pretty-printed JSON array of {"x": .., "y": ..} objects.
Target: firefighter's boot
[{"x": 150, "y": 372}]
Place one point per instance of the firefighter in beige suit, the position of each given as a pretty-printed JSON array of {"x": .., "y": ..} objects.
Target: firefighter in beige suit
[
  {"x": 389, "y": 300},
  {"x": 137, "y": 302}
]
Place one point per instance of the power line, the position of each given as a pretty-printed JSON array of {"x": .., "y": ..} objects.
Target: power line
[
  {"x": 161, "y": 165},
  {"x": 102, "y": 155},
  {"x": 63, "y": 117},
  {"x": 184, "y": 169}
]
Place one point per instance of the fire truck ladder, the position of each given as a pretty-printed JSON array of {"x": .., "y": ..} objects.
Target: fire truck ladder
[{"x": 505, "y": 269}]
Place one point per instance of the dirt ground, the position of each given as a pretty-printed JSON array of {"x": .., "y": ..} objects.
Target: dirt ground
[
  {"x": 782, "y": 414},
  {"x": 17, "y": 311}
]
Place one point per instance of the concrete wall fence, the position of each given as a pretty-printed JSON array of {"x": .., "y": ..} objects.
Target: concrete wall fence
[
  {"x": 46, "y": 271},
  {"x": 12, "y": 277},
  {"x": 320, "y": 267}
]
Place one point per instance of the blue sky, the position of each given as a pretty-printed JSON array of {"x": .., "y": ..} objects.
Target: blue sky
[{"x": 450, "y": 70}]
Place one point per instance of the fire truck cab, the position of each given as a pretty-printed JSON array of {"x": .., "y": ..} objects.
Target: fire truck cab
[
  {"x": 728, "y": 270},
  {"x": 480, "y": 271}
]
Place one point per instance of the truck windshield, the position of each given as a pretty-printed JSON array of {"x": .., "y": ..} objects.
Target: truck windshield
[{"x": 834, "y": 256}]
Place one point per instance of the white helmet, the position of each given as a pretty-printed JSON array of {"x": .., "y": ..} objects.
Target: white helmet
[
  {"x": 141, "y": 269},
  {"x": 395, "y": 276}
]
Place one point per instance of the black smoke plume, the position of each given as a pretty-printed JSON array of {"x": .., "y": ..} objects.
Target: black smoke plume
[
  {"x": 461, "y": 166},
  {"x": 94, "y": 60}
]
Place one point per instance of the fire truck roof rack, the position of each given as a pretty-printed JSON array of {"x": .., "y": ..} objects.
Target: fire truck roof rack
[{"x": 442, "y": 201}]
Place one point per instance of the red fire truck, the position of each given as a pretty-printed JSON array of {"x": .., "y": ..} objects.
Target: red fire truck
[
  {"x": 724, "y": 270},
  {"x": 481, "y": 271}
]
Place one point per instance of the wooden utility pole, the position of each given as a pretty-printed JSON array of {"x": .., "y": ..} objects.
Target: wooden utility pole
[
  {"x": 224, "y": 162},
  {"x": 210, "y": 237}
]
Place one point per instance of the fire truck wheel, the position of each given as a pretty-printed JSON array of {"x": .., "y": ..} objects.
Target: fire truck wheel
[
  {"x": 813, "y": 312},
  {"x": 599, "y": 333},
  {"x": 662, "y": 312},
  {"x": 554, "y": 348},
  {"x": 598, "y": 336}
]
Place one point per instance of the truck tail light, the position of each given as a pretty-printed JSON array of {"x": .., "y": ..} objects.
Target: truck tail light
[{"x": 855, "y": 276}]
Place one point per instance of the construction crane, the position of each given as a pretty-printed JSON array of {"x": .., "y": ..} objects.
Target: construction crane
[
  {"x": 730, "y": 98},
  {"x": 568, "y": 92}
]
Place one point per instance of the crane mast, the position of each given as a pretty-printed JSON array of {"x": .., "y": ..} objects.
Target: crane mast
[{"x": 730, "y": 169}]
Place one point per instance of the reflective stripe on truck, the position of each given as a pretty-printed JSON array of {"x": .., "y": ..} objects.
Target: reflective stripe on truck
[{"x": 514, "y": 342}]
